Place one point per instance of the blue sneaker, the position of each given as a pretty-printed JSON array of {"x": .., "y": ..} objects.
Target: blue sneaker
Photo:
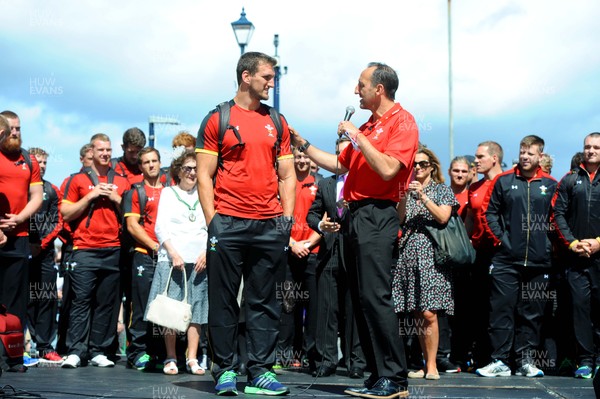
[
  {"x": 142, "y": 362},
  {"x": 30, "y": 361},
  {"x": 266, "y": 384},
  {"x": 226, "y": 386},
  {"x": 583, "y": 372}
]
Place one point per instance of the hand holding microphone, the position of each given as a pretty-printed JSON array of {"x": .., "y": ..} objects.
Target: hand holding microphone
[{"x": 344, "y": 127}]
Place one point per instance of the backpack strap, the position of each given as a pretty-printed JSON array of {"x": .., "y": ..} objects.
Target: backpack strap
[
  {"x": 26, "y": 158},
  {"x": 91, "y": 174},
  {"x": 276, "y": 117},
  {"x": 224, "y": 110},
  {"x": 142, "y": 199}
]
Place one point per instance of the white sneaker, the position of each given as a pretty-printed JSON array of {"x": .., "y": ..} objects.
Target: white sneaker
[
  {"x": 102, "y": 361},
  {"x": 71, "y": 362},
  {"x": 494, "y": 369},
  {"x": 529, "y": 370}
]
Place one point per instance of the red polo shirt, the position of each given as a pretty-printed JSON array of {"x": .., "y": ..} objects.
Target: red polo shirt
[
  {"x": 306, "y": 191},
  {"x": 247, "y": 186},
  {"x": 104, "y": 227},
  {"x": 149, "y": 214},
  {"x": 477, "y": 192},
  {"x": 395, "y": 134},
  {"x": 15, "y": 180}
]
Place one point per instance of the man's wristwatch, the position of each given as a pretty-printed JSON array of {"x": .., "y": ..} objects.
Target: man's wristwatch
[{"x": 304, "y": 146}]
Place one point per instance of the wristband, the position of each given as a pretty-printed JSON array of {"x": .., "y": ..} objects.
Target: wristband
[
  {"x": 571, "y": 245},
  {"x": 598, "y": 239},
  {"x": 426, "y": 201},
  {"x": 304, "y": 146}
]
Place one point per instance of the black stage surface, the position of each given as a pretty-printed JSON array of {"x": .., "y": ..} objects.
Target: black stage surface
[{"x": 122, "y": 383}]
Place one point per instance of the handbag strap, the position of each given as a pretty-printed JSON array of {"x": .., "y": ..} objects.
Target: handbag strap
[{"x": 185, "y": 291}]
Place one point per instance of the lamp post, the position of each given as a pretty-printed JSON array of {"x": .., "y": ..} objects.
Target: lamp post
[
  {"x": 450, "y": 116},
  {"x": 277, "y": 74},
  {"x": 158, "y": 120},
  {"x": 242, "y": 29}
]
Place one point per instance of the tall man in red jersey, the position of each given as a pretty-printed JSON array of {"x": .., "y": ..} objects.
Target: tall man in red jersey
[
  {"x": 93, "y": 210},
  {"x": 379, "y": 164},
  {"x": 140, "y": 224},
  {"x": 21, "y": 196},
  {"x": 249, "y": 212}
]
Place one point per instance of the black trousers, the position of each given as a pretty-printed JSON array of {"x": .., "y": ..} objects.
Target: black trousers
[
  {"x": 469, "y": 325},
  {"x": 372, "y": 230},
  {"x": 43, "y": 300},
  {"x": 95, "y": 300},
  {"x": 298, "y": 329},
  {"x": 258, "y": 250},
  {"x": 142, "y": 273},
  {"x": 14, "y": 277},
  {"x": 585, "y": 294},
  {"x": 517, "y": 302},
  {"x": 335, "y": 315}
]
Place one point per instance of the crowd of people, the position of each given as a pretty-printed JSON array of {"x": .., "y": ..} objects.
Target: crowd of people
[{"x": 282, "y": 266}]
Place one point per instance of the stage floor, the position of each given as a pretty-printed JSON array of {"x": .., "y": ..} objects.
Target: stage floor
[{"x": 122, "y": 383}]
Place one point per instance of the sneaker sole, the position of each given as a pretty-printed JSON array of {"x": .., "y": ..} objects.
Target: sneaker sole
[
  {"x": 227, "y": 392},
  {"x": 501, "y": 374},
  {"x": 403, "y": 394},
  {"x": 584, "y": 376},
  {"x": 262, "y": 391}
]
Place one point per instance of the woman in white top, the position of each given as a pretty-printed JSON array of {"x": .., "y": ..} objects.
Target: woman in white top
[{"x": 181, "y": 233}]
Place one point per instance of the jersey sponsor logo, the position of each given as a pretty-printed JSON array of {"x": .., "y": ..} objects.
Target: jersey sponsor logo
[
  {"x": 313, "y": 190},
  {"x": 579, "y": 181},
  {"x": 514, "y": 187},
  {"x": 543, "y": 190}
]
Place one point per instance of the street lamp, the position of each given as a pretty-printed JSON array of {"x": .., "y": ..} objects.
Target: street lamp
[
  {"x": 159, "y": 120},
  {"x": 277, "y": 74},
  {"x": 242, "y": 29}
]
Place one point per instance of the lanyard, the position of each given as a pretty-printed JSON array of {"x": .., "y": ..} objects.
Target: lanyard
[{"x": 191, "y": 216}]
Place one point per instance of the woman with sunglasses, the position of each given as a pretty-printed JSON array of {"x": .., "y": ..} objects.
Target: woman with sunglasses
[
  {"x": 420, "y": 286},
  {"x": 181, "y": 232}
]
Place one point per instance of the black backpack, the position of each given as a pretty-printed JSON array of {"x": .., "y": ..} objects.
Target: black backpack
[{"x": 224, "y": 113}]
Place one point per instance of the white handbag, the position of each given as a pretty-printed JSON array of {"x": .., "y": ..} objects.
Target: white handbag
[{"x": 169, "y": 312}]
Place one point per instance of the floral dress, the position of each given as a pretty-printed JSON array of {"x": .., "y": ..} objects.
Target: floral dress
[{"x": 418, "y": 283}]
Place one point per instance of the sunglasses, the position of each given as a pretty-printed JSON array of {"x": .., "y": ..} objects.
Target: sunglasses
[
  {"x": 188, "y": 169},
  {"x": 422, "y": 164}
]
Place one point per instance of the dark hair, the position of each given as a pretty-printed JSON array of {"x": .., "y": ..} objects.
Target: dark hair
[
  {"x": 145, "y": 151},
  {"x": 576, "y": 160},
  {"x": 177, "y": 163},
  {"x": 385, "y": 76},
  {"x": 250, "y": 62},
  {"x": 135, "y": 137}
]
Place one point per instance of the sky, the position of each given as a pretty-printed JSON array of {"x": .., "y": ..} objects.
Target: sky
[{"x": 75, "y": 68}]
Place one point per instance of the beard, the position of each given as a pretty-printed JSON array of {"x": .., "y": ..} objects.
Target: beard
[{"x": 11, "y": 145}]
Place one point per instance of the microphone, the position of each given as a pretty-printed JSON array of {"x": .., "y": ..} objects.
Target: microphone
[{"x": 349, "y": 112}]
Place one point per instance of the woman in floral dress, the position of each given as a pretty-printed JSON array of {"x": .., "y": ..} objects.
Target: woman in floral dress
[{"x": 419, "y": 285}]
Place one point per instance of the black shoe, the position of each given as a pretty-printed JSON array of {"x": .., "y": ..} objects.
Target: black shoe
[
  {"x": 356, "y": 373},
  {"x": 384, "y": 388},
  {"x": 358, "y": 391},
  {"x": 324, "y": 371},
  {"x": 445, "y": 365}
]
